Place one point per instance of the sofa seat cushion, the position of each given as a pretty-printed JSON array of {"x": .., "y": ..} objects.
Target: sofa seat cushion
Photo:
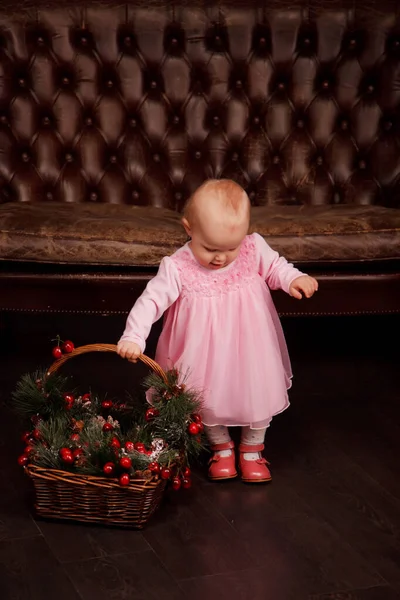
[
  {"x": 118, "y": 235},
  {"x": 99, "y": 234},
  {"x": 330, "y": 233}
]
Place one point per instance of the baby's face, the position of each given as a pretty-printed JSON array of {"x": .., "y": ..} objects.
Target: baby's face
[
  {"x": 216, "y": 246},
  {"x": 217, "y": 225}
]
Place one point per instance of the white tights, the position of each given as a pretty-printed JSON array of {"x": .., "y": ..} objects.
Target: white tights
[{"x": 219, "y": 434}]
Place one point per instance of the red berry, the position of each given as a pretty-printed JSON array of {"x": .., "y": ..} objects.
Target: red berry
[
  {"x": 186, "y": 483},
  {"x": 165, "y": 473},
  {"x": 176, "y": 483},
  {"x": 29, "y": 450},
  {"x": 197, "y": 418},
  {"x": 75, "y": 437},
  {"x": 194, "y": 428},
  {"x": 154, "y": 467},
  {"x": 77, "y": 452},
  {"x": 187, "y": 472},
  {"x": 109, "y": 468},
  {"x": 129, "y": 446},
  {"x": 115, "y": 442},
  {"x": 139, "y": 447},
  {"x": 36, "y": 419},
  {"x": 57, "y": 352},
  {"x": 151, "y": 413},
  {"x": 86, "y": 398},
  {"x": 68, "y": 458},
  {"x": 148, "y": 452},
  {"x": 125, "y": 462},
  {"x": 65, "y": 450},
  {"x": 107, "y": 427},
  {"x": 124, "y": 479},
  {"x": 23, "y": 460},
  {"x": 68, "y": 347},
  {"x": 106, "y": 404},
  {"x": 69, "y": 401},
  {"x": 36, "y": 434},
  {"x": 25, "y": 437}
]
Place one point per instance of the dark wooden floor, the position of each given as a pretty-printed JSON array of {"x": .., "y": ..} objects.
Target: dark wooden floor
[{"x": 328, "y": 527}]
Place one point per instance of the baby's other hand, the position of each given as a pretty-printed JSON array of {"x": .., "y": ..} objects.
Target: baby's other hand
[
  {"x": 129, "y": 350},
  {"x": 304, "y": 283}
]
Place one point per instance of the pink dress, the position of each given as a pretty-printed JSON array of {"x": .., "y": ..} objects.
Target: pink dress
[{"x": 222, "y": 331}]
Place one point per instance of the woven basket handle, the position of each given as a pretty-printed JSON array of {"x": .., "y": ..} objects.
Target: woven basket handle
[{"x": 104, "y": 348}]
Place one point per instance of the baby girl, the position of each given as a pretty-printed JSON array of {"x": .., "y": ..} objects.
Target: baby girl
[{"x": 221, "y": 326}]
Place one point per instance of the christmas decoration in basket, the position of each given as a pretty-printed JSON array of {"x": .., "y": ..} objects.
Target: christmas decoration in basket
[{"x": 103, "y": 461}]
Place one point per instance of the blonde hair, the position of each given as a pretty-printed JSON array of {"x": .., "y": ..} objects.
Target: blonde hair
[{"x": 229, "y": 193}]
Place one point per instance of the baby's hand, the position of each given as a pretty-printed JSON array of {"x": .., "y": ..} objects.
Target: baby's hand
[
  {"x": 129, "y": 350},
  {"x": 304, "y": 283}
]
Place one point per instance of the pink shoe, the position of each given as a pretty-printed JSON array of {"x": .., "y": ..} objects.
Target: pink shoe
[
  {"x": 253, "y": 471},
  {"x": 222, "y": 467}
]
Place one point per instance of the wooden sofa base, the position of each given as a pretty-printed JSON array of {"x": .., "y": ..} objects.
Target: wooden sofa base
[{"x": 345, "y": 292}]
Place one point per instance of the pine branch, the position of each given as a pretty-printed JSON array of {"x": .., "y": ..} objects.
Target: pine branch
[
  {"x": 36, "y": 394},
  {"x": 79, "y": 425}
]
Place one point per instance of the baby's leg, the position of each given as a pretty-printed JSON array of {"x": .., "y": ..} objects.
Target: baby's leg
[
  {"x": 252, "y": 465},
  {"x": 217, "y": 436},
  {"x": 252, "y": 437},
  {"x": 222, "y": 462}
]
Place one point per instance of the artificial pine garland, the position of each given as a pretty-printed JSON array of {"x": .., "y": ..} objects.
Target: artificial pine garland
[{"x": 126, "y": 440}]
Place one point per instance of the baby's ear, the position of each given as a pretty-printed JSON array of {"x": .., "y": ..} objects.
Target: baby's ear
[{"x": 186, "y": 226}]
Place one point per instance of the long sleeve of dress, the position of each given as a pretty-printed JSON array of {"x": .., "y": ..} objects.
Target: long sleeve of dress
[
  {"x": 275, "y": 269},
  {"x": 160, "y": 293}
]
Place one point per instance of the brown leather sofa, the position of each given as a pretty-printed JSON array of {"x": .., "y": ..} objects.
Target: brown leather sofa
[{"x": 112, "y": 114}]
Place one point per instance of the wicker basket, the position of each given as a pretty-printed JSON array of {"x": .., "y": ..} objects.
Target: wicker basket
[{"x": 90, "y": 499}]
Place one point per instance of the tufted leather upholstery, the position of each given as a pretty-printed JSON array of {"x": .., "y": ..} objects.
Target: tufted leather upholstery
[{"x": 136, "y": 104}]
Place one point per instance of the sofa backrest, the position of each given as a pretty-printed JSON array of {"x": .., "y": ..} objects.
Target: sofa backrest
[{"x": 139, "y": 103}]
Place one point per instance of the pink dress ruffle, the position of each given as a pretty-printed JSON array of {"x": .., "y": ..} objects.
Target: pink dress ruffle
[{"x": 222, "y": 331}]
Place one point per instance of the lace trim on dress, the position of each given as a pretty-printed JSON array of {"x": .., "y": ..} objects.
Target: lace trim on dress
[{"x": 198, "y": 280}]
